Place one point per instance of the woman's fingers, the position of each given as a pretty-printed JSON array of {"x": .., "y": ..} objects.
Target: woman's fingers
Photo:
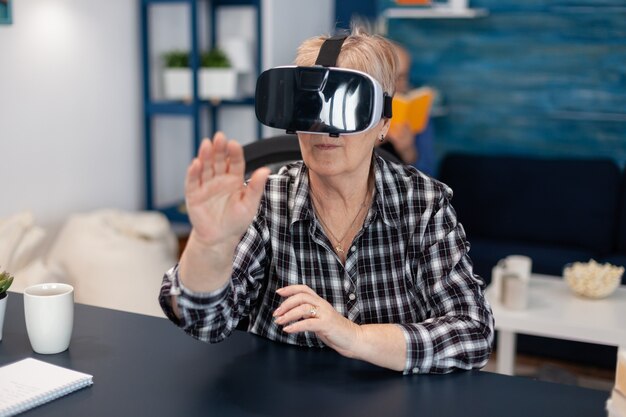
[
  {"x": 192, "y": 179},
  {"x": 299, "y": 299},
  {"x": 254, "y": 190},
  {"x": 220, "y": 153},
  {"x": 301, "y": 304},
  {"x": 206, "y": 160},
  {"x": 295, "y": 289},
  {"x": 296, "y": 300},
  {"x": 219, "y": 205},
  {"x": 302, "y": 311},
  {"x": 236, "y": 162},
  {"x": 291, "y": 308},
  {"x": 222, "y": 157},
  {"x": 219, "y": 157},
  {"x": 307, "y": 325}
]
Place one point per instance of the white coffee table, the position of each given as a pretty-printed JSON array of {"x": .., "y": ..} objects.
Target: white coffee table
[{"x": 555, "y": 311}]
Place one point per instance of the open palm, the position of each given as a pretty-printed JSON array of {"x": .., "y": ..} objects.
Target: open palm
[{"x": 219, "y": 204}]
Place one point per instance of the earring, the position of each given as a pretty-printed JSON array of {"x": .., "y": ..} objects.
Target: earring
[{"x": 382, "y": 138}]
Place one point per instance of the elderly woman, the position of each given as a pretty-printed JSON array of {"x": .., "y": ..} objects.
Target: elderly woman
[{"x": 343, "y": 249}]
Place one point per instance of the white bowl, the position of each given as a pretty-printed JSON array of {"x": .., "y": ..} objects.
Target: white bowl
[{"x": 591, "y": 279}]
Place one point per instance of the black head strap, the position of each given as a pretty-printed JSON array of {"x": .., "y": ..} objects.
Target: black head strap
[
  {"x": 387, "y": 100},
  {"x": 330, "y": 51}
]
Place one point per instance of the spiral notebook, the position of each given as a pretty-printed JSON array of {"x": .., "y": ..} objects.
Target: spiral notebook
[{"x": 30, "y": 382}]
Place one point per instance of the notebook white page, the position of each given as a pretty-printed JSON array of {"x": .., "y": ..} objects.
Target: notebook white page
[{"x": 30, "y": 382}]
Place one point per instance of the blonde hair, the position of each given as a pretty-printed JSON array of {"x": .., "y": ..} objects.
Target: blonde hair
[{"x": 372, "y": 54}]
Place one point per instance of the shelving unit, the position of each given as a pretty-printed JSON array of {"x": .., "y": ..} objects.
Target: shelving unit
[
  {"x": 451, "y": 9},
  {"x": 193, "y": 109},
  {"x": 434, "y": 12}
]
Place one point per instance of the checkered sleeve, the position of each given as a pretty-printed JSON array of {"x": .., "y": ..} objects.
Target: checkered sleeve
[
  {"x": 458, "y": 332},
  {"x": 212, "y": 316}
]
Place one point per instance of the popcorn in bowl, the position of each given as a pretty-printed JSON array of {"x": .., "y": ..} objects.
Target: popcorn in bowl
[{"x": 591, "y": 279}]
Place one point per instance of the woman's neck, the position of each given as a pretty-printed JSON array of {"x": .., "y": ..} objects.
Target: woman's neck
[
  {"x": 341, "y": 191},
  {"x": 340, "y": 204}
]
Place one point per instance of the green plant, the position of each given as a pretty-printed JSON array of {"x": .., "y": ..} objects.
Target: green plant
[
  {"x": 215, "y": 58},
  {"x": 6, "y": 280},
  {"x": 176, "y": 59}
]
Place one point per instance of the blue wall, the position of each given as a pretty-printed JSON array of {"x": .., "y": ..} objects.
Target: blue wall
[
  {"x": 345, "y": 10},
  {"x": 534, "y": 77}
]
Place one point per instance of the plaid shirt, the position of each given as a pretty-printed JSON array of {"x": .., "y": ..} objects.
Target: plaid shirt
[{"x": 408, "y": 265}]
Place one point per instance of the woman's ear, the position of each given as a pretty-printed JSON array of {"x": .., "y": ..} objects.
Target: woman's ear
[{"x": 385, "y": 128}]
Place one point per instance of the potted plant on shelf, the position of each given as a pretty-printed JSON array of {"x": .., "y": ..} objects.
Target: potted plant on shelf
[
  {"x": 217, "y": 79},
  {"x": 177, "y": 76},
  {"x": 6, "y": 280}
]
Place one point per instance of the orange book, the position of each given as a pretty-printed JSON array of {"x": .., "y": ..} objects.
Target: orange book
[{"x": 412, "y": 109}]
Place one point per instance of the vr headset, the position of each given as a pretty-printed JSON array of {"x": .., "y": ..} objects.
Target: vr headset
[{"x": 322, "y": 99}]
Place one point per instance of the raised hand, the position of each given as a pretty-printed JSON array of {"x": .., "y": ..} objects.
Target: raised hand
[{"x": 219, "y": 205}]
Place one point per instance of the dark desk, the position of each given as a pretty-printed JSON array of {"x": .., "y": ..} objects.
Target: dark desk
[{"x": 145, "y": 366}]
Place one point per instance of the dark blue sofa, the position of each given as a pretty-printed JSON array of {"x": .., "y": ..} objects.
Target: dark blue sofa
[{"x": 554, "y": 210}]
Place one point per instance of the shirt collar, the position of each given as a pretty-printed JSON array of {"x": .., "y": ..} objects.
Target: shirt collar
[
  {"x": 386, "y": 199},
  {"x": 299, "y": 202}
]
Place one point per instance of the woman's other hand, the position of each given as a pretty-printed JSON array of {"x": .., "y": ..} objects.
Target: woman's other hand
[{"x": 303, "y": 310}]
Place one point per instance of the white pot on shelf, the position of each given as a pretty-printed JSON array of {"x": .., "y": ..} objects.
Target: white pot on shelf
[
  {"x": 214, "y": 84},
  {"x": 218, "y": 83},
  {"x": 177, "y": 84}
]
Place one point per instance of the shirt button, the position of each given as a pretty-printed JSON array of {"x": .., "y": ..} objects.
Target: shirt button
[
  {"x": 415, "y": 370},
  {"x": 353, "y": 248},
  {"x": 352, "y": 296}
]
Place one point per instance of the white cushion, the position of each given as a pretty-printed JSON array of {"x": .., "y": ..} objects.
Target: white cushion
[
  {"x": 20, "y": 241},
  {"x": 36, "y": 272},
  {"x": 115, "y": 259}
]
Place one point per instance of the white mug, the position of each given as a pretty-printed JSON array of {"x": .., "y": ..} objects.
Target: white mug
[
  {"x": 518, "y": 264},
  {"x": 514, "y": 291},
  {"x": 49, "y": 313},
  {"x": 496, "y": 280}
]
